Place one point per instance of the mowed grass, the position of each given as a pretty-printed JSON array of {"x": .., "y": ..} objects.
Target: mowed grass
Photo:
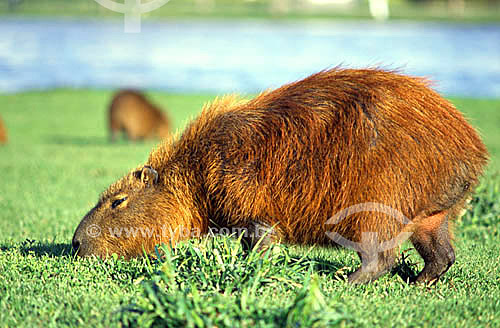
[{"x": 59, "y": 159}]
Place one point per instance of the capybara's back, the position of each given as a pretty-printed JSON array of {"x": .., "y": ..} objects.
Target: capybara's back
[
  {"x": 137, "y": 117},
  {"x": 3, "y": 133},
  {"x": 362, "y": 158}
]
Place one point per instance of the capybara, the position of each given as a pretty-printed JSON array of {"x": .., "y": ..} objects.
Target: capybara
[
  {"x": 3, "y": 133},
  {"x": 290, "y": 160},
  {"x": 138, "y": 118}
]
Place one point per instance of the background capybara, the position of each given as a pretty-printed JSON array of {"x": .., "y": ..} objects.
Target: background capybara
[
  {"x": 3, "y": 133},
  {"x": 133, "y": 114},
  {"x": 291, "y": 159}
]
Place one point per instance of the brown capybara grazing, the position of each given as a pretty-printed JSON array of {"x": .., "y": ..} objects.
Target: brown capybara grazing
[
  {"x": 138, "y": 118},
  {"x": 3, "y": 133},
  {"x": 362, "y": 158}
]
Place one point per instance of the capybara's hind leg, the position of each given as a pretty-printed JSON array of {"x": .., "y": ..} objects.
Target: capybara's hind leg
[
  {"x": 374, "y": 264},
  {"x": 432, "y": 240}
]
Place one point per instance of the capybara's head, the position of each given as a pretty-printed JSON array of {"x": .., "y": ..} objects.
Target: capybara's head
[
  {"x": 134, "y": 214},
  {"x": 121, "y": 206}
]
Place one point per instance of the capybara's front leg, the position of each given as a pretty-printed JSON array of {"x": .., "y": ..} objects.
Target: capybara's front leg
[
  {"x": 374, "y": 264},
  {"x": 258, "y": 236},
  {"x": 432, "y": 241}
]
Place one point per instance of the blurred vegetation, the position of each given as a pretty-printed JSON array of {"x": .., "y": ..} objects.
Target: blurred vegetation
[{"x": 449, "y": 10}]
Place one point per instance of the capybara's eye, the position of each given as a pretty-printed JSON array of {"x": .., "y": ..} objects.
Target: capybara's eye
[{"x": 118, "y": 202}]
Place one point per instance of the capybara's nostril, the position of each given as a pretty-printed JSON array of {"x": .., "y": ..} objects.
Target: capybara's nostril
[{"x": 76, "y": 245}]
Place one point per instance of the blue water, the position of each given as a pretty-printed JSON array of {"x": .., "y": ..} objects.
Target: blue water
[{"x": 240, "y": 57}]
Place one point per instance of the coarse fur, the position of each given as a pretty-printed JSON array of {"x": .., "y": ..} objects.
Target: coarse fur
[
  {"x": 3, "y": 133},
  {"x": 291, "y": 159},
  {"x": 131, "y": 112}
]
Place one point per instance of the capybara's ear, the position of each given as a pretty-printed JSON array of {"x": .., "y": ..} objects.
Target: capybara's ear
[{"x": 147, "y": 175}]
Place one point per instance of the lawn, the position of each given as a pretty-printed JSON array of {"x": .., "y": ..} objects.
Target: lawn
[{"x": 59, "y": 159}]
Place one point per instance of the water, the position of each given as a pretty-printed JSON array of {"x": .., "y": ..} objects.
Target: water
[{"x": 242, "y": 57}]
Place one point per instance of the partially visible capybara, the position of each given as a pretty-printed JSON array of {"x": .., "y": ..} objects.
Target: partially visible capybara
[
  {"x": 3, "y": 133},
  {"x": 365, "y": 148},
  {"x": 138, "y": 118}
]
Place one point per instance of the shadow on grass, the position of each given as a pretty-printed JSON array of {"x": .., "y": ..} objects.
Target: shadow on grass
[
  {"x": 40, "y": 249},
  {"x": 84, "y": 141},
  {"x": 405, "y": 269},
  {"x": 81, "y": 141},
  {"x": 322, "y": 266}
]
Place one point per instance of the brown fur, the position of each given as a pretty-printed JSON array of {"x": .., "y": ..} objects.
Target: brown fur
[
  {"x": 3, "y": 133},
  {"x": 133, "y": 114},
  {"x": 294, "y": 157}
]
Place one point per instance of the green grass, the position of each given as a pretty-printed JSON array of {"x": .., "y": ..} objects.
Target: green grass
[
  {"x": 57, "y": 162},
  {"x": 475, "y": 11}
]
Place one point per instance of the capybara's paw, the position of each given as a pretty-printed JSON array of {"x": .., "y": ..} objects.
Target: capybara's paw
[{"x": 363, "y": 276}]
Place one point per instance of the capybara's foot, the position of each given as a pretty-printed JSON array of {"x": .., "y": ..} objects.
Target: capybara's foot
[
  {"x": 432, "y": 241},
  {"x": 374, "y": 265},
  {"x": 433, "y": 270}
]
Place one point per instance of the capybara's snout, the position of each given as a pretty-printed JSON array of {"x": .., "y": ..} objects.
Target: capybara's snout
[
  {"x": 87, "y": 239},
  {"x": 80, "y": 241},
  {"x": 76, "y": 245},
  {"x": 86, "y": 242}
]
